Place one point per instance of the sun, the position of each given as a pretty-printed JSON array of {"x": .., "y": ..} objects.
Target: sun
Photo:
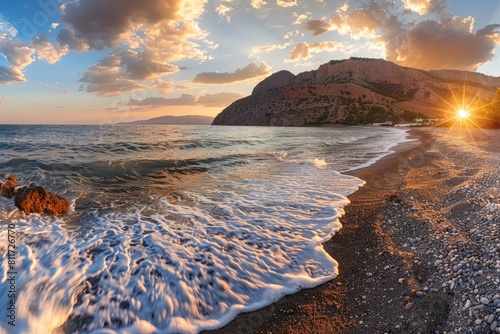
[{"x": 463, "y": 113}]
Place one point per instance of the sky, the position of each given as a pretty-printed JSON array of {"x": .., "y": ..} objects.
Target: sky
[{"x": 107, "y": 61}]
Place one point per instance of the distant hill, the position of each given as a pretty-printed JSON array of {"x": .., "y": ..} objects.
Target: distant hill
[
  {"x": 189, "y": 119},
  {"x": 355, "y": 91}
]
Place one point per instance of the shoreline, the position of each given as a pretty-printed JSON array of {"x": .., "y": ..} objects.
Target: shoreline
[{"x": 397, "y": 273}]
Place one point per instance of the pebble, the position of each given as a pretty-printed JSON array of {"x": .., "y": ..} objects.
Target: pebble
[{"x": 469, "y": 270}]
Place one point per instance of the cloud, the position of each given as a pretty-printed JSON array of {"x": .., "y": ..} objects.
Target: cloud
[
  {"x": 54, "y": 25},
  {"x": 267, "y": 48},
  {"x": 359, "y": 23},
  {"x": 424, "y": 7},
  {"x": 218, "y": 99},
  {"x": 146, "y": 39},
  {"x": 106, "y": 79},
  {"x": 207, "y": 100},
  {"x": 300, "y": 18},
  {"x": 224, "y": 10},
  {"x": 287, "y": 3},
  {"x": 17, "y": 53},
  {"x": 163, "y": 86},
  {"x": 7, "y": 28},
  {"x": 304, "y": 51},
  {"x": 128, "y": 71},
  {"x": 46, "y": 50},
  {"x": 67, "y": 38},
  {"x": 2, "y": 102},
  {"x": 431, "y": 45},
  {"x": 145, "y": 64},
  {"x": 318, "y": 27},
  {"x": 257, "y": 4},
  {"x": 9, "y": 75},
  {"x": 104, "y": 24},
  {"x": 249, "y": 72}
]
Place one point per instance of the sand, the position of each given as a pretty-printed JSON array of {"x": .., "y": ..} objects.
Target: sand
[{"x": 419, "y": 250}]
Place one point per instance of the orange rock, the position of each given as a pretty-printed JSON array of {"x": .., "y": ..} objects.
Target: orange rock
[{"x": 35, "y": 199}]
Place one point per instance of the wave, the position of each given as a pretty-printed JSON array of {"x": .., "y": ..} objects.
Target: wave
[{"x": 178, "y": 267}]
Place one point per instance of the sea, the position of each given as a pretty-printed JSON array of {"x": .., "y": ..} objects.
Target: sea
[{"x": 173, "y": 229}]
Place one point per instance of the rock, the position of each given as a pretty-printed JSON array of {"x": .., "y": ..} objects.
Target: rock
[
  {"x": 9, "y": 186},
  {"x": 35, "y": 199},
  {"x": 493, "y": 326},
  {"x": 484, "y": 301}
]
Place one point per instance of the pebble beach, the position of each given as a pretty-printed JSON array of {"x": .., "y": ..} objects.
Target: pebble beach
[{"x": 419, "y": 251}]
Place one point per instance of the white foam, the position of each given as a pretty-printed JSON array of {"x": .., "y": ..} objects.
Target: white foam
[
  {"x": 385, "y": 145},
  {"x": 189, "y": 266}
]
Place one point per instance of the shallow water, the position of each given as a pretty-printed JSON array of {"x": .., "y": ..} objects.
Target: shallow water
[{"x": 175, "y": 228}]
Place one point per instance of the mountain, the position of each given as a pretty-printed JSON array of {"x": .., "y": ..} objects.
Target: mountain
[
  {"x": 193, "y": 120},
  {"x": 356, "y": 91}
]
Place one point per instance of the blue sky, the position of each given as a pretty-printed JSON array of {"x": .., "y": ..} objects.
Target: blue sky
[{"x": 105, "y": 61}]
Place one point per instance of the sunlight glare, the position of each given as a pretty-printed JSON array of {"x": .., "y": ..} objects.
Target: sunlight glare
[{"x": 462, "y": 113}]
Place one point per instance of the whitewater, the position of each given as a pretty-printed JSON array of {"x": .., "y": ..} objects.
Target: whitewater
[{"x": 174, "y": 229}]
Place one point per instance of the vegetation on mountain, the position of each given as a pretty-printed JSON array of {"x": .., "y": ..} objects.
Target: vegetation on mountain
[{"x": 360, "y": 91}]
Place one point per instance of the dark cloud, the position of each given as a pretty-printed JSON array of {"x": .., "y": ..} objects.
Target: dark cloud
[
  {"x": 432, "y": 45},
  {"x": 11, "y": 74},
  {"x": 103, "y": 24},
  {"x": 67, "y": 38},
  {"x": 107, "y": 80},
  {"x": 146, "y": 37},
  {"x": 318, "y": 27},
  {"x": 145, "y": 64},
  {"x": 251, "y": 71}
]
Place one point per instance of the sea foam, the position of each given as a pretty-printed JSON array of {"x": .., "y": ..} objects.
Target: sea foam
[
  {"x": 175, "y": 229},
  {"x": 182, "y": 268}
]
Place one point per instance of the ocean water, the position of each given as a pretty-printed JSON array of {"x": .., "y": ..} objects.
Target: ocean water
[{"x": 174, "y": 229}]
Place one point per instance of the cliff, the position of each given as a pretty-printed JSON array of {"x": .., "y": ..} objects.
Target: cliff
[{"x": 355, "y": 91}]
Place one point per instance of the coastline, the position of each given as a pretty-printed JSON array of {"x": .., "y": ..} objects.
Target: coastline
[{"x": 399, "y": 252}]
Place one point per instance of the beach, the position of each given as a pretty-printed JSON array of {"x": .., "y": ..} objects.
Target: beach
[{"x": 418, "y": 251}]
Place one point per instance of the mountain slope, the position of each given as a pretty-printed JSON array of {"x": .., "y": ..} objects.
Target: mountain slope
[{"x": 355, "y": 91}]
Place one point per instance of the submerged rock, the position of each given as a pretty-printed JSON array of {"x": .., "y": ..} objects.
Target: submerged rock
[
  {"x": 9, "y": 186},
  {"x": 35, "y": 199}
]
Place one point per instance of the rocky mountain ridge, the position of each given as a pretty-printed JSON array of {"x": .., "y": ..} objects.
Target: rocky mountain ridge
[{"x": 356, "y": 91}]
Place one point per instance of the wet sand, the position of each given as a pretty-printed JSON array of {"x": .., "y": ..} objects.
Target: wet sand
[{"x": 410, "y": 256}]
